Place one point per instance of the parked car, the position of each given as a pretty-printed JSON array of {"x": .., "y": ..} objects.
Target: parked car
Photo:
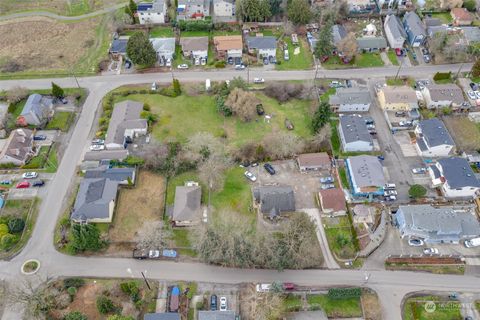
[
  {"x": 38, "y": 183},
  {"x": 419, "y": 170},
  {"x": 6, "y": 182},
  {"x": 474, "y": 86},
  {"x": 387, "y": 193},
  {"x": 39, "y": 137},
  {"x": 425, "y": 51},
  {"x": 213, "y": 303},
  {"x": 286, "y": 56},
  {"x": 23, "y": 185},
  {"x": 97, "y": 147},
  {"x": 336, "y": 84},
  {"x": 427, "y": 58},
  {"x": 263, "y": 287},
  {"x": 328, "y": 179},
  {"x": 63, "y": 100},
  {"x": 471, "y": 94},
  {"x": 400, "y": 114},
  {"x": 260, "y": 110},
  {"x": 327, "y": 186},
  {"x": 288, "y": 286},
  {"x": 415, "y": 242},
  {"x": 98, "y": 141},
  {"x": 265, "y": 61},
  {"x": 255, "y": 164},
  {"x": 250, "y": 176},
  {"x": 272, "y": 59},
  {"x": 128, "y": 64},
  {"x": 29, "y": 175},
  {"x": 239, "y": 67},
  {"x": 269, "y": 168},
  {"x": 230, "y": 60},
  {"x": 258, "y": 80},
  {"x": 430, "y": 251},
  {"x": 399, "y": 52},
  {"x": 381, "y": 157},
  {"x": 390, "y": 198},
  {"x": 182, "y": 66},
  {"x": 289, "y": 124},
  {"x": 390, "y": 186},
  {"x": 348, "y": 82},
  {"x": 368, "y": 120},
  {"x": 477, "y": 93},
  {"x": 154, "y": 87},
  {"x": 223, "y": 303}
]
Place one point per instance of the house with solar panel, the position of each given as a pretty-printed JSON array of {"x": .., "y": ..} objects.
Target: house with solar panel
[{"x": 154, "y": 12}]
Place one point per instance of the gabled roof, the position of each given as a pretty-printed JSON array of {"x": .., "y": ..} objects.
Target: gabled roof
[
  {"x": 399, "y": 94},
  {"x": 394, "y": 26},
  {"x": 367, "y": 171},
  {"x": 119, "y": 46},
  {"x": 125, "y": 115},
  {"x": 36, "y": 104},
  {"x": 371, "y": 43},
  {"x": 446, "y": 92},
  {"x": 435, "y": 133},
  {"x": 333, "y": 199},
  {"x": 163, "y": 44},
  {"x": 228, "y": 42},
  {"x": 318, "y": 159},
  {"x": 194, "y": 44},
  {"x": 115, "y": 174},
  {"x": 19, "y": 144},
  {"x": 354, "y": 129},
  {"x": 338, "y": 33},
  {"x": 187, "y": 203},
  {"x": 156, "y": 6},
  {"x": 93, "y": 199},
  {"x": 274, "y": 200},
  {"x": 105, "y": 155},
  {"x": 414, "y": 24},
  {"x": 350, "y": 96},
  {"x": 458, "y": 173},
  {"x": 262, "y": 42},
  {"x": 461, "y": 14}
]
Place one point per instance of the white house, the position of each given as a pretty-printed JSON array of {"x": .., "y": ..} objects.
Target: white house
[
  {"x": 263, "y": 46},
  {"x": 154, "y": 12},
  {"x": 455, "y": 177},
  {"x": 125, "y": 124},
  {"x": 354, "y": 134},
  {"x": 433, "y": 139},
  {"x": 443, "y": 95},
  {"x": 350, "y": 100},
  {"x": 165, "y": 49},
  {"x": 394, "y": 31},
  {"x": 224, "y": 10}
]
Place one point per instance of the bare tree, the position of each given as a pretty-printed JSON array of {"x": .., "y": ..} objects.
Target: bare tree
[
  {"x": 242, "y": 103},
  {"x": 348, "y": 46},
  {"x": 152, "y": 235},
  {"x": 201, "y": 146},
  {"x": 281, "y": 145},
  {"x": 269, "y": 306},
  {"x": 16, "y": 94},
  {"x": 154, "y": 154},
  {"x": 36, "y": 301},
  {"x": 321, "y": 139},
  {"x": 211, "y": 171}
]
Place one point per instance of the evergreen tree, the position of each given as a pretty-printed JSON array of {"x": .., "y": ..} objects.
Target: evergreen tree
[
  {"x": 57, "y": 91},
  {"x": 476, "y": 69},
  {"x": 85, "y": 237},
  {"x": 177, "y": 90},
  {"x": 324, "y": 45},
  {"x": 140, "y": 50},
  {"x": 299, "y": 12},
  {"x": 321, "y": 117}
]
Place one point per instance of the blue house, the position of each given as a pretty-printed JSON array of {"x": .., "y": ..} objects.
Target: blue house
[
  {"x": 416, "y": 32},
  {"x": 366, "y": 176}
]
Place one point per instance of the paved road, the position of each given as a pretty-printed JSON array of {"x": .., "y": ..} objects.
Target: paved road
[{"x": 391, "y": 286}]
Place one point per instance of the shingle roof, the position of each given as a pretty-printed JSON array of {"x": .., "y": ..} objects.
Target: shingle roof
[
  {"x": 163, "y": 44},
  {"x": 105, "y": 155},
  {"x": 458, "y": 173},
  {"x": 194, "y": 44},
  {"x": 414, "y": 23},
  {"x": 261, "y": 42},
  {"x": 19, "y": 144},
  {"x": 367, "y": 171},
  {"x": 93, "y": 199},
  {"x": 446, "y": 92},
  {"x": 228, "y": 42},
  {"x": 435, "y": 133},
  {"x": 37, "y": 104},
  {"x": 351, "y": 96},
  {"x": 333, "y": 199},
  {"x": 119, "y": 46},
  {"x": 275, "y": 200},
  {"x": 338, "y": 33},
  {"x": 156, "y": 6},
  {"x": 354, "y": 129},
  {"x": 115, "y": 174},
  {"x": 461, "y": 14},
  {"x": 125, "y": 115},
  {"x": 216, "y": 315},
  {"x": 187, "y": 203},
  {"x": 371, "y": 43},
  {"x": 394, "y": 25},
  {"x": 400, "y": 94},
  {"x": 318, "y": 159},
  {"x": 432, "y": 22}
]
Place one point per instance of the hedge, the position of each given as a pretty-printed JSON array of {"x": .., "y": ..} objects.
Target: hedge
[
  {"x": 442, "y": 76},
  {"x": 344, "y": 293}
]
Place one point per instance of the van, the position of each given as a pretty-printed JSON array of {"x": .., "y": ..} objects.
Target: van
[
  {"x": 207, "y": 84},
  {"x": 472, "y": 243},
  {"x": 390, "y": 186}
]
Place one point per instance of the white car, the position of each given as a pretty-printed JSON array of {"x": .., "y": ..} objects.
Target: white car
[
  {"x": 263, "y": 287},
  {"x": 258, "y": 80},
  {"x": 223, "y": 303},
  {"x": 239, "y": 67},
  {"x": 182, "y": 66},
  {"x": 29, "y": 175},
  {"x": 154, "y": 87},
  {"x": 430, "y": 251},
  {"x": 389, "y": 193},
  {"x": 250, "y": 176},
  {"x": 419, "y": 170},
  {"x": 472, "y": 95},
  {"x": 97, "y": 147},
  {"x": 477, "y": 93}
]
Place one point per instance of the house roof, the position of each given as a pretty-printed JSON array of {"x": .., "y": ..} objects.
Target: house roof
[
  {"x": 412, "y": 20},
  {"x": 371, "y": 43},
  {"x": 105, "y": 155},
  {"x": 471, "y": 34},
  {"x": 228, "y": 42},
  {"x": 318, "y": 159},
  {"x": 18, "y": 145},
  {"x": 93, "y": 199},
  {"x": 187, "y": 203},
  {"x": 333, "y": 199},
  {"x": 216, "y": 315},
  {"x": 363, "y": 210},
  {"x": 439, "y": 221},
  {"x": 394, "y": 26},
  {"x": 163, "y": 44},
  {"x": 194, "y": 44},
  {"x": 354, "y": 129},
  {"x": 458, "y": 173},
  {"x": 446, "y": 92},
  {"x": 262, "y": 42},
  {"x": 274, "y": 200},
  {"x": 338, "y": 33},
  {"x": 435, "y": 133},
  {"x": 119, "y": 46},
  {"x": 399, "y": 94},
  {"x": 156, "y": 6},
  {"x": 115, "y": 174},
  {"x": 162, "y": 316},
  {"x": 37, "y": 104},
  {"x": 433, "y": 30},
  {"x": 432, "y": 22},
  {"x": 125, "y": 115},
  {"x": 461, "y": 14},
  {"x": 350, "y": 96},
  {"x": 367, "y": 171}
]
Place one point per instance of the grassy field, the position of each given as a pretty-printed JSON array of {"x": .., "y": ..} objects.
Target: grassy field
[
  {"x": 344, "y": 308},
  {"x": 414, "y": 309},
  {"x": 61, "y": 121},
  {"x": 161, "y": 32},
  {"x": 392, "y": 56},
  {"x": 236, "y": 194},
  {"x": 465, "y": 132},
  {"x": 343, "y": 176},
  {"x": 445, "y": 17},
  {"x": 340, "y": 238},
  {"x": 363, "y": 60},
  {"x": 61, "y": 7},
  {"x": 301, "y": 61},
  {"x": 45, "y": 159},
  {"x": 292, "y": 303}
]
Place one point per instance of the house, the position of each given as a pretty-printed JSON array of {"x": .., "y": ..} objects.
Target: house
[
  {"x": 366, "y": 175},
  {"x": 433, "y": 139},
  {"x": 364, "y": 214},
  {"x": 186, "y": 207},
  {"x": 350, "y": 100},
  {"x": 125, "y": 124},
  {"x": 154, "y": 12},
  {"x": 228, "y": 47},
  {"x": 394, "y": 31},
  {"x": 95, "y": 201},
  {"x": 398, "y": 98},
  {"x": 123, "y": 176},
  {"x": 193, "y": 9},
  {"x": 165, "y": 49},
  {"x": 36, "y": 110},
  {"x": 471, "y": 35},
  {"x": 354, "y": 134},
  {"x": 338, "y": 33},
  {"x": 443, "y": 95},
  {"x": 314, "y": 161},
  {"x": 263, "y": 46},
  {"x": 274, "y": 200},
  {"x": 434, "y": 26},
  {"x": 455, "y": 177},
  {"x": 216, "y": 315},
  {"x": 118, "y": 47},
  {"x": 195, "y": 47},
  {"x": 461, "y": 17},
  {"x": 162, "y": 316},
  {"x": 18, "y": 147},
  {"x": 445, "y": 5},
  {"x": 223, "y": 10},
  {"x": 362, "y": 6},
  {"x": 332, "y": 202},
  {"x": 416, "y": 32},
  {"x": 98, "y": 156},
  {"x": 436, "y": 224},
  {"x": 371, "y": 44}
]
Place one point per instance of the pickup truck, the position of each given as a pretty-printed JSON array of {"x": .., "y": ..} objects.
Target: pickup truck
[{"x": 154, "y": 254}]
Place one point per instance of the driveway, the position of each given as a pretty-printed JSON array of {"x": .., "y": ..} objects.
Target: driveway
[
  {"x": 51, "y": 137},
  {"x": 19, "y": 194}
]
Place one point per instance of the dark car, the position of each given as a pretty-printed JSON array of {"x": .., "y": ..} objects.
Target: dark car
[
  {"x": 213, "y": 303},
  {"x": 38, "y": 183},
  {"x": 260, "y": 110},
  {"x": 39, "y": 137},
  {"x": 269, "y": 168},
  {"x": 348, "y": 82},
  {"x": 128, "y": 64},
  {"x": 230, "y": 60},
  {"x": 63, "y": 100},
  {"x": 474, "y": 86},
  {"x": 265, "y": 60}
]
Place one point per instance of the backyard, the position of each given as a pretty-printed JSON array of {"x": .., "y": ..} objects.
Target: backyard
[
  {"x": 301, "y": 61},
  {"x": 340, "y": 237},
  {"x": 61, "y": 121},
  {"x": 464, "y": 131},
  {"x": 336, "y": 308},
  {"x": 431, "y": 308},
  {"x": 45, "y": 159}
]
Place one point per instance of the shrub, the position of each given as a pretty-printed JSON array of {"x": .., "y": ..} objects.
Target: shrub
[
  {"x": 220, "y": 64},
  {"x": 85, "y": 237},
  {"x": 344, "y": 293},
  {"x": 146, "y": 107},
  {"x": 417, "y": 191},
  {"x": 3, "y": 229},
  {"x": 131, "y": 289},
  {"x": 16, "y": 225},
  {"x": 177, "y": 89},
  {"x": 75, "y": 315},
  {"x": 11, "y": 107},
  {"x": 73, "y": 282},
  {"x": 72, "y": 291},
  {"x": 8, "y": 241},
  {"x": 284, "y": 91},
  {"x": 105, "y": 305},
  {"x": 442, "y": 76}
]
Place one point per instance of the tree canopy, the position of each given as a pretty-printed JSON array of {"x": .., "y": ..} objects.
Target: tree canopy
[
  {"x": 324, "y": 46},
  {"x": 417, "y": 191},
  {"x": 321, "y": 117},
  {"x": 57, "y": 91},
  {"x": 140, "y": 50},
  {"x": 476, "y": 69},
  {"x": 253, "y": 10},
  {"x": 299, "y": 12}
]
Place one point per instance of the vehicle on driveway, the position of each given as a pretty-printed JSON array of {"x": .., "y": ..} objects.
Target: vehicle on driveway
[
  {"x": 223, "y": 303},
  {"x": 213, "y": 303},
  {"x": 154, "y": 254},
  {"x": 472, "y": 95},
  {"x": 29, "y": 175},
  {"x": 154, "y": 87},
  {"x": 263, "y": 287},
  {"x": 23, "y": 185},
  {"x": 182, "y": 66},
  {"x": 430, "y": 251},
  {"x": 39, "y": 137},
  {"x": 239, "y": 67},
  {"x": 472, "y": 243},
  {"x": 390, "y": 193},
  {"x": 250, "y": 176},
  {"x": 327, "y": 186},
  {"x": 419, "y": 170},
  {"x": 269, "y": 168},
  {"x": 328, "y": 179},
  {"x": 415, "y": 242},
  {"x": 390, "y": 186},
  {"x": 97, "y": 147},
  {"x": 400, "y": 114},
  {"x": 98, "y": 141},
  {"x": 258, "y": 80},
  {"x": 474, "y": 86},
  {"x": 390, "y": 198},
  {"x": 38, "y": 183}
]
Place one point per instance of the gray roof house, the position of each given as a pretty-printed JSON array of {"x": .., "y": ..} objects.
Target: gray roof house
[
  {"x": 274, "y": 200},
  {"x": 162, "y": 316},
  {"x": 455, "y": 177},
  {"x": 265, "y": 46},
  {"x": 18, "y": 148},
  {"x": 196, "y": 47},
  {"x": 371, "y": 43},
  {"x": 125, "y": 124},
  {"x": 437, "y": 224},
  {"x": 119, "y": 46},
  {"x": 121, "y": 175},
  {"x": 366, "y": 175},
  {"x": 154, "y": 12},
  {"x": 394, "y": 31},
  {"x": 95, "y": 200},
  {"x": 216, "y": 315},
  {"x": 338, "y": 33},
  {"x": 433, "y": 139},
  {"x": 443, "y": 95},
  {"x": 416, "y": 32},
  {"x": 350, "y": 100},
  {"x": 186, "y": 207},
  {"x": 354, "y": 134},
  {"x": 164, "y": 47},
  {"x": 36, "y": 110},
  {"x": 193, "y": 9}
]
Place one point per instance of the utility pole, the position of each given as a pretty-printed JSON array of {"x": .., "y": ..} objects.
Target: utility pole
[
  {"x": 145, "y": 279},
  {"x": 75, "y": 77},
  {"x": 398, "y": 71},
  {"x": 458, "y": 72}
]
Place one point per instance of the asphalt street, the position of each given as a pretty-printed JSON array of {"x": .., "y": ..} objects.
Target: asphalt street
[{"x": 391, "y": 286}]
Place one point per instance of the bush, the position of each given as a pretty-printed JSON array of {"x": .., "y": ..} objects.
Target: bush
[
  {"x": 220, "y": 64},
  {"x": 105, "y": 305},
  {"x": 8, "y": 241},
  {"x": 131, "y": 289},
  {"x": 85, "y": 237},
  {"x": 442, "y": 76},
  {"x": 195, "y": 25},
  {"x": 11, "y": 107},
  {"x": 417, "y": 191},
  {"x": 3, "y": 229},
  {"x": 73, "y": 282},
  {"x": 344, "y": 293},
  {"x": 72, "y": 291},
  {"x": 16, "y": 225},
  {"x": 146, "y": 107},
  {"x": 284, "y": 91},
  {"x": 75, "y": 315}
]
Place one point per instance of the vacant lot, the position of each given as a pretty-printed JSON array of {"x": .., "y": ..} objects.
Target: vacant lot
[
  {"x": 414, "y": 308},
  {"x": 137, "y": 205},
  {"x": 61, "y": 7},
  {"x": 302, "y": 60},
  {"x": 42, "y": 46},
  {"x": 465, "y": 133},
  {"x": 336, "y": 308},
  {"x": 340, "y": 237},
  {"x": 61, "y": 121}
]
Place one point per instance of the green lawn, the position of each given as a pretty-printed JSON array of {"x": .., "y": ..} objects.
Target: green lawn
[
  {"x": 335, "y": 139},
  {"x": 161, "y": 32},
  {"x": 179, "y": 58},
  {"x": 11, "y": 122},
  {"x": 61, "y": 121},
  {"x": 236, "y": 194},
  {"x": 326, "y": 96},
  {"x": 292, "y": 303},
  {"x": 181, "y": 237},
  {"x": 343, "y": 176},
  {"x": 344, "y": 308},
  {"x": 45, "y": 159},
  {"x": 392, "y": 56},
  {"x": 367, "y": 60},
  {"x": 340, "y": 238},
  {"x": 414, "y": 309},
  {"x": 445, "y": 17},
  {"x": 301, "y": 61},
  {"x": 194, "y": 34}
]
